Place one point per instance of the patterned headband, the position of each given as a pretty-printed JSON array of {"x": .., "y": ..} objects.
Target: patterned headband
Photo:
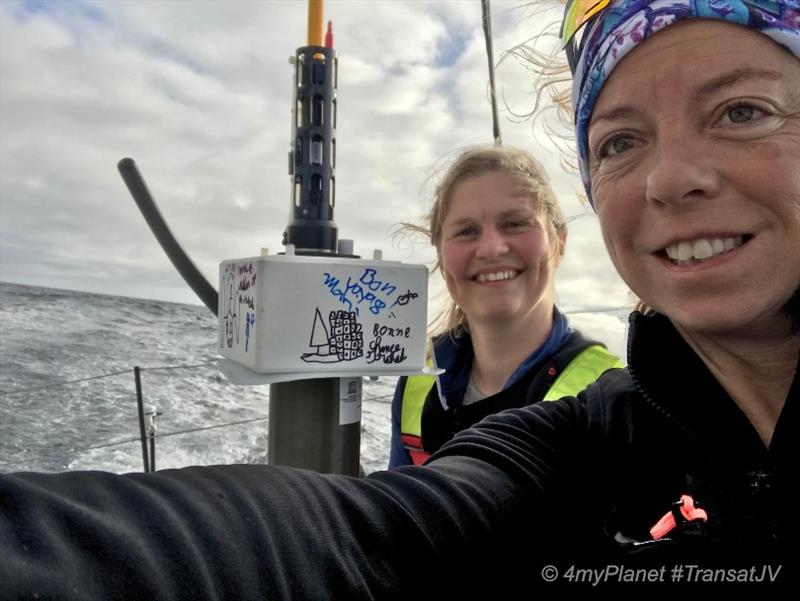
[{"x": 614, "y": 28}]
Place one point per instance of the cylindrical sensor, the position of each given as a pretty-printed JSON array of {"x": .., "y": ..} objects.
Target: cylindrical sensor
[{"x": 313, "y": 179}]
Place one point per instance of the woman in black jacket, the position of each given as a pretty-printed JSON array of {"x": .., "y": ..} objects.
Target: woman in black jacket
[{"x": 677, "y": 470}]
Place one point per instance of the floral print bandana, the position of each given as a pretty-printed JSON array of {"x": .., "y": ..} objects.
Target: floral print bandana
[{"x": 624, "y": 24}]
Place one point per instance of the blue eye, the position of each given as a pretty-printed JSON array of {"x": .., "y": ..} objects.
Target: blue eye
[
  {"x": 466, "y": 231},
  {"x": 741, "y": 112},
  {"x": 616, "y": 145}
]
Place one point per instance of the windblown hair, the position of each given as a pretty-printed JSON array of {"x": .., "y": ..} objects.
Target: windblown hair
[
  {"x": 541, "y": 55},
  {"x": 551, "y": 81}
]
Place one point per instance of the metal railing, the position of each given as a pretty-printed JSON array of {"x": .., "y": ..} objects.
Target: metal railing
[{"x": 147, "y": 419}]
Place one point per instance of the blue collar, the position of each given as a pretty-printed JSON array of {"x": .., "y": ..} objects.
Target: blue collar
[{"x": 453, "y": 353}]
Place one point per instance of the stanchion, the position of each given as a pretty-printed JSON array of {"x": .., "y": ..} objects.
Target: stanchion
[
  {"x": 151, "y": 434},
  {"x": 138, "y": 378}
]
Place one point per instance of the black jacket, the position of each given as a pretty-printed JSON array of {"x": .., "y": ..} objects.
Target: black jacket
[{"x": 566, "y": 487}]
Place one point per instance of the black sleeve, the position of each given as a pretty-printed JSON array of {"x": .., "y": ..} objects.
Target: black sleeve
[{"x": 257, "y": 532}]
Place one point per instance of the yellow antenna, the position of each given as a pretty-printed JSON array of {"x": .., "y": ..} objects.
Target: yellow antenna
[{"x": 315, "y": 11}]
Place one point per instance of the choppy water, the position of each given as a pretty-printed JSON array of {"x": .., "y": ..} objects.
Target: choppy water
[{"x": 50, "y": 336}]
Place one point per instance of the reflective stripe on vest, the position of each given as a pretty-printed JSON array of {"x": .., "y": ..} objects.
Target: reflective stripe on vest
[
  {"x": 414, "y": 395},
  {"x": 584, "y": 369}
]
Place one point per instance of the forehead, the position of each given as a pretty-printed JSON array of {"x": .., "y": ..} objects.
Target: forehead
[
  {"x": 683, "y": 57},
  {"x": 490, "y": 192}
]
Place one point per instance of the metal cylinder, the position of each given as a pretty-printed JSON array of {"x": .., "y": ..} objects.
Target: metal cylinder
[
  {"x": 305, "y": 430},
  {"x": 312, "y": 160}
]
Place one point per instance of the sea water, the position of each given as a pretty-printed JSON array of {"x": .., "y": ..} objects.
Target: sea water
[{"x": 49, "y": 337}]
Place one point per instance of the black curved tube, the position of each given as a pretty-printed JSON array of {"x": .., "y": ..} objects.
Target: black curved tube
[{"x": 190, "y": 273}]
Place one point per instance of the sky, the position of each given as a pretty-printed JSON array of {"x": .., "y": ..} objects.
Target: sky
[{"x": 199, "y": 93}]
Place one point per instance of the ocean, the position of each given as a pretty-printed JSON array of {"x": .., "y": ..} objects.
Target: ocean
[{"x": 50, "y": 337}]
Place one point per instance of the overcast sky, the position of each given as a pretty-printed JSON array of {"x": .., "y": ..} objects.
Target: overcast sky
[{"x": 198, "y": 93}]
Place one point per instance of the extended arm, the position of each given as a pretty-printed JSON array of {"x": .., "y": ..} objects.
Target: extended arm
[{"x": 276, "y": 533}]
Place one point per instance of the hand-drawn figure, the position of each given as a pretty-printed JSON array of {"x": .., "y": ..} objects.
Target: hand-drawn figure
[
  {"x": 230, "y": 316},
  {"x": 250, "y": 320},
  {"x": 342, "y": 340}
]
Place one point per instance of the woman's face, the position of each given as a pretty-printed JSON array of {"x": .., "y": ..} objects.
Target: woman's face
[
  {"x": 695, "y": 167},
  {"x": 497, "y": 257}
]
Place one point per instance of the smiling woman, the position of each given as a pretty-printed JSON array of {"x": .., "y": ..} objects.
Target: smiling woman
[
  {"x": 499, "y": 236},
  {"x": 715, "y": 157},
  {"x": 698, "y": 192}
]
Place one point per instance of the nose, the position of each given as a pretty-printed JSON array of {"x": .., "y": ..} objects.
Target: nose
[
  {"x": 681, "y": 173},
  {"x": 491, "y": 244}
]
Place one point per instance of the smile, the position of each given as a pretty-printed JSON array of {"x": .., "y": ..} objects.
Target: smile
[
  {"x": 497, "y": 276},
  {"x": 693, "y": 251}
]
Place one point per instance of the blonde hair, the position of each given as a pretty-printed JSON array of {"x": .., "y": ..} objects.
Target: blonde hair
[{"x": 528, "y": 174}]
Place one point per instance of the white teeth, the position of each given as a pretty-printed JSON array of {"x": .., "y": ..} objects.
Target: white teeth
[
  {"x": 704, "y": 248},
  {"x": 731, "y": 243},
  {"x": 497, "y": 276},
  {"x": 684, "y": 251}
]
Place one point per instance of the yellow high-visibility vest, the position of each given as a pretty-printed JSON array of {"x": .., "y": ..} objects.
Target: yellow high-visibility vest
[{"x": 584, "y": 369}]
